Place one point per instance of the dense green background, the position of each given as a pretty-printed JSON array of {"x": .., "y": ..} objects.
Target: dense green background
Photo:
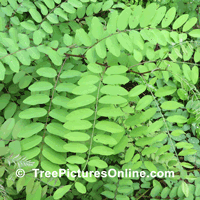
[{"x": 96, "y": 85}]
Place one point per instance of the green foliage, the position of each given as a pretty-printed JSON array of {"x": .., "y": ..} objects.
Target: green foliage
[{"x": 96, "y": 85}]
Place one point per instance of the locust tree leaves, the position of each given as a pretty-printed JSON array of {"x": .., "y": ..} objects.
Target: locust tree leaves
[
  {"x": 80, "y": 92},
  {"x": 169, "y": 17}
]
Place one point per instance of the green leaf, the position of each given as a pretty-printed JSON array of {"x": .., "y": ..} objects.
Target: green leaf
[
  {"x": 187, "y": 152},
  {"x": 96, "y": 28},
  {"x": 121, "y": 145},
  {"x": 79, "y": 114},
  {"x": 60, "y": 192},
  {"x": 78, "y": 124},
  {"x": 34, "y": 53},
  {"x": 36, "y": 99},
  {"x": 83, "y": 37},
  {"x": 61, "y": 101},
  {"x": 186, "y": 71},
  {"x": 129, "y": 153},
  {"x": 23, "y": 57},
  {"x": 105, "y": 139},
  {"x": 53, "y": 156},
  {"x": 107, "y": 5},
  {"x": 177, "y": 119},
  {"x": 118, "y": 69},
  {"x": 136, "y": 38},
  {"x": 15, "y": 147},
  {"x": 58, "y": 114},
  {"x": 77, "y": 136},
  {"x": 108, "y": 194},
  {"x": 75, "y": 147},
  {"x": 4, "y": 151},
  {"x": 189, "y": 24},
  {"x": 135, "y": 17},
  {"x": 182, "y": 94},
  {"x": 84, "y": 89},
  {"x": 187, "y": 165},
  {"x": 30, "y": 129},
  {"x": 98, "y": 163},
  {"x": 32, "y": 113},
  {"x": 75, "y": 160},
  {"x": 110, "y": 112},
  {"x": 2, "y": 23},
  {"x": 47, "y": 72},
  {"x": 109, "y": 126},
  {"x": 4, "y": 100},
  {"x": 160, "y": 12},
  {"x": 76, "y": 3},
  {"x": 35, "y": 15},
  {"x": 113, "y": 45},
  {"x": 116, "y": 79},
  {"x": 57, "y": 129},
  {"x": 112, "y": 22},
  {"x": 123, "y": 197},
  {"x": 185, "y": 145},
  {"x": 54, "y": 56},
  {"x": 10, "y": 110},
  {"x": 180, "y": 21},
  {"x": 30, "y": 142},
  {"x": 2, "y": 70},
  {"x": 37, "y": 37},
  {"x": 149, "y": 150},
  {"x": 67, "y": 39},
  {"x": 13, "y": 63},
  {"x": 53, "y": 18},
  {"x": 68, "y": 8},
  {"x": 123, "y": 19},
  {"x": 40, "y": 86},
  {"x": 155, "y": 126},
  {"x": 195, "y": 33},
  {"x": 177, "y": 132},
  {"x": 162, "y": 150},
  {"x": 80, "y": 101},
  {"x": 164, "y": 91},
  {"x": 137, "y": 90},
  {"x": 185, "y": 188},
  {"x": 88, "y": 80},
  {"x": 148, "y": 15},
  {"x": 139, "y": 131},
  {"x": 171, "y": 105},
  {"x": 50, "y": 3},
  {"x": 65, "y": 87},
  {"x": 80, "y": 187},
  {"x": 150, "y": 166},
  {"x": 100, "y": 48},
  {"x": 70, "y": 74},
  {"x": 28, "y": 25},
  {"x": 144, "y": 102},
  {"x": 95, "y": 68},
  {"x": 137, "y": 55},
  {"x": 169, "y": 17},
  {"x": 6, "y": 128},
  {"x": 47, "y": 27},
  {"x": 165, "y": 192},
  {"x": 109, "y": 99},
  {"x": 195, "y": 74},
  {"x": 55, "y": 142},
  {"x": 125, "y": 41},
  {"x": 113, "y": 90},
  {"x": 102, "y": 150}
]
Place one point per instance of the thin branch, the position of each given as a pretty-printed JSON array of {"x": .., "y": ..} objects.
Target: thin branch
[
  {"x": 50, "y": 108},
  {"x": 50, "y": 13},
  {"x": 14, "y": 13}
]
